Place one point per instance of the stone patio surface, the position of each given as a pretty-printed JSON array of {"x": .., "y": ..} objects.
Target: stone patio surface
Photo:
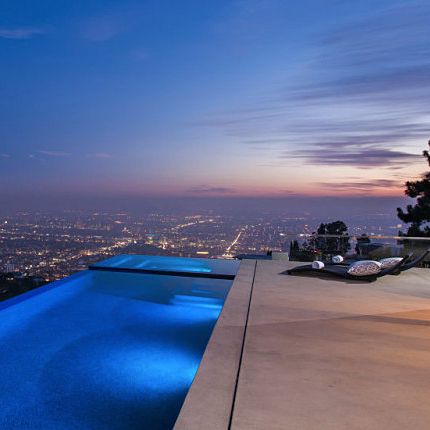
[{"x": 320, "y": 354}]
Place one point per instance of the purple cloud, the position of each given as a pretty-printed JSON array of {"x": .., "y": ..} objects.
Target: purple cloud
[
  {"x": 205, "y": 189},
  {"x": 357, "y": 157},
  {"x": 360, "y": 186}
]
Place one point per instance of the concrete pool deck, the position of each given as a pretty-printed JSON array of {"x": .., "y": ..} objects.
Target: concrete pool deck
[{"x": 310, "y": 353}]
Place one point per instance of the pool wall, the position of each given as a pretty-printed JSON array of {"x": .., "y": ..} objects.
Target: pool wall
[{"x": 210, "y": 399}]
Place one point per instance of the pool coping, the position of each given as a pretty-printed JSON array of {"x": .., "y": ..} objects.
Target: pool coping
[{"x": 209, "y": 402}]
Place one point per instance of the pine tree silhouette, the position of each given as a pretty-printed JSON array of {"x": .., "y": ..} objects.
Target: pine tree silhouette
[{"x": 418, "y": 215}]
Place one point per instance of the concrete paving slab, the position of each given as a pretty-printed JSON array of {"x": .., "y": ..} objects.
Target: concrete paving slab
[{"x": 328, "y": 354}]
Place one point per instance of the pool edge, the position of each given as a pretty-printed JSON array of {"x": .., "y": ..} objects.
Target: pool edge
[
  {"x": 11, "y": 301},
  {"x": 209, "y": 401}
]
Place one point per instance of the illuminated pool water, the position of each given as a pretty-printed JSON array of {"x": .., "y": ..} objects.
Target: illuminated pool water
[
  {"x": 104, "y": 350},
  {"x": 204, "y": 267}
]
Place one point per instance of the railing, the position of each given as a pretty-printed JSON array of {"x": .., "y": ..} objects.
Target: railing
[
  {"x": 309, "y": 247},
  {"x": 370, "y": 236}
]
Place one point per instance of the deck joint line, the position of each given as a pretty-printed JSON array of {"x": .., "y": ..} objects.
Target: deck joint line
[{"x": 236, "y": 385}]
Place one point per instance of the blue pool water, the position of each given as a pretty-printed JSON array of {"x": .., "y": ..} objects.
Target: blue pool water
[{"x": 104, "y": 350}]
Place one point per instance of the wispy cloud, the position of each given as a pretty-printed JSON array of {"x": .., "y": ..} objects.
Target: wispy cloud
[
  {"x": 20, "y": 32},
  {"x": 101, "y": 155},
  {"x": 362, "y": 157},
  {"x": 366, "y": 41},
  {"x": 288, "y": 192},
  {"x": 4, "y": 156},
  {"x": 207, "y": 189},
  {"x": 360, "y": 185},
  {"x": 43, "y": 155},
  {"x": 36, "y": 157},
  {"x": 55, "y": 153},
  {"x": 361, "y": 99}
]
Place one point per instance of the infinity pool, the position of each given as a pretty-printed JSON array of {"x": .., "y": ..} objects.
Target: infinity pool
[
  {"x": 203, "y": 267},
  {"x": 105, "y": 350}
]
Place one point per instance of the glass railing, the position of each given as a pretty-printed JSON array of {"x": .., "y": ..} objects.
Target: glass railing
[{"x": 309, "y": 247}]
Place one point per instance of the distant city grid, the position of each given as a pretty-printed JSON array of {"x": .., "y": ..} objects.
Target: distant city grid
[{"x": 52, "y": 246}]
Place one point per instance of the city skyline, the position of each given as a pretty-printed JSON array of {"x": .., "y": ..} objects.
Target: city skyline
[
  {"x": 229, "y": 99},
  {"x": 52, "y": 245}
]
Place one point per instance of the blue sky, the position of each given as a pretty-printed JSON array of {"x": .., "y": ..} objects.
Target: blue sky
[{"x": 264, "y": 98}]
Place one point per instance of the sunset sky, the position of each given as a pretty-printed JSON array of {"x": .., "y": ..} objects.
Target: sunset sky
[{"x": 213, "y": 98}]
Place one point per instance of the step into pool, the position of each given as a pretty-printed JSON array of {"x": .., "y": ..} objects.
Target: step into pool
[{"x": 108, "y": 349}]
